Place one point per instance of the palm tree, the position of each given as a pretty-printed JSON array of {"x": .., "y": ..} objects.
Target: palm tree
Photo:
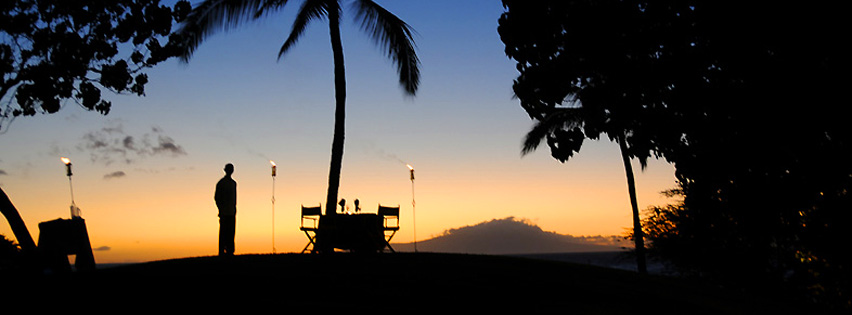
[
  {"x": 569, "y": 122},
  {"x": 19, "y": 228},
  {"x": 392, "y": 34}
]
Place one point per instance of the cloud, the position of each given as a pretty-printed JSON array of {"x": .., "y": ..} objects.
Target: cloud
[
  {"x": 128, "y": 143},
  {"x": 2, "y": 172},
  {"x": 168, "y": 146},
  {"x": 116, "y": 174},
  {"x": 101, "y": 249},
  {"x": 112, "y": 144}
]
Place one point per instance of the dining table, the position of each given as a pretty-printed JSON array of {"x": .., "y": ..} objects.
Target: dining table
[{"x": 355, "y": 232}]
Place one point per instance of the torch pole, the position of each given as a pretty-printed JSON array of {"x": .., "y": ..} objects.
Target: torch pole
[
  {"x": 273, "y": 214},
  {"x": 273, "y": 205},
  {"x": 414, "y": 215},
  {"x": 413, "y": 207},
  {"x": 75, "y": 212},
  {"x": 69, "y": 173},
  {"x": 71, "y": 186}
]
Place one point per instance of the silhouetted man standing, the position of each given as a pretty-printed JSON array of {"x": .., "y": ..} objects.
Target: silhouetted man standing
[{"x": 226, "y": 201}]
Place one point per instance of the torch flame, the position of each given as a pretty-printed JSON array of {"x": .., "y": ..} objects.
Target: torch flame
[
  {"x": 272, "y": 162},
  {"x": 409, "y": 166},
  {"x": 65, "y": 160}
]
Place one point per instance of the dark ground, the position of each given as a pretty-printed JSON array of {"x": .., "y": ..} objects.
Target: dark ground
[{"x": 360, "y": 283}]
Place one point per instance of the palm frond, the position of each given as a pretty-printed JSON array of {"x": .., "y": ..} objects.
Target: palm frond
[
  {"x": 212, "y": 16},
  {"x": 395, "y": 37},
  {"x": 310, "y": 10},
  {"x": 269, "y": 5},
  {"x": 561, "y": 118}
]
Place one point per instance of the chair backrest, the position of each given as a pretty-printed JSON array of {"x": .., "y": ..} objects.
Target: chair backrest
[
  {"x": 388, "y": 211},
  {"x": 311, "y": 211}
]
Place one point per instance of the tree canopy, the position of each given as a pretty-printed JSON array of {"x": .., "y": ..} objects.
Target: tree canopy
[
  {"x": 54, "y": 51},
  {"x": 742, "y": 97}
]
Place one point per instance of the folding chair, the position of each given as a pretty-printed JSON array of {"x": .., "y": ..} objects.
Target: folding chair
[
  {"x": 390, "y": 223},
  {"x": 312, "y": 214}
]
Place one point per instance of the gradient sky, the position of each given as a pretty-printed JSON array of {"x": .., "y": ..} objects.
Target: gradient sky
[{"x": 144, "y": 175}]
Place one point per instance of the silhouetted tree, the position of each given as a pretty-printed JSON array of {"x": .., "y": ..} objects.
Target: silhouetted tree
[
  {"x": 19, "y": 228},
  {"x": 391, "y": 33},
  {"x": 764, "y": 167},
  {"x": 553, "y": 45},
  {"x": 10, "y": 254},
  {"x": 7, "y": 247},
  {"x": 55, "y": 51},
  {"x": 563, "y": 131},
  {"x": 740, "y": 96}
]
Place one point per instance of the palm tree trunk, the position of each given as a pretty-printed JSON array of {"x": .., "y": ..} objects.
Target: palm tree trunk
[
  {"x": 339, "y": 112},
  {"x": 22, "y": 234},
  {"x": 638, "y": 236}
]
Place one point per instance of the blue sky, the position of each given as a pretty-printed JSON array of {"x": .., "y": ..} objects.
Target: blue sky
[{"x": 235, "y": 102}]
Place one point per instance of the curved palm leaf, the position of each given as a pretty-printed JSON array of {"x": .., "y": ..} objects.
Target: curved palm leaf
[
  {"x": 212, "y": 16},
  {"x": 562, "y": 118},
  {"x": 394, "y": 36},
  {"x": 270, "y": 5},
  {"x": 310, "y": 10}
]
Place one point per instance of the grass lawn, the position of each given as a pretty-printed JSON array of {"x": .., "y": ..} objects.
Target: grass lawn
[{"x": 360, "y": 283}]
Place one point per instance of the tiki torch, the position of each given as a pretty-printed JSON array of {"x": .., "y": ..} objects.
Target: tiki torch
[
  {"x": 274, "y": 169},
  {"x": 413, "y": 215},
  {"x": 75, "y": 212}
]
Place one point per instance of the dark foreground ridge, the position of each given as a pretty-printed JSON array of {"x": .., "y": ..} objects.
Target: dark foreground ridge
[{"x": 401, "y": 282}]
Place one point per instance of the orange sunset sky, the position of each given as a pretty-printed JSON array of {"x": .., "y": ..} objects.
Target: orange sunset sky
[{"x": 144, "y": 175}]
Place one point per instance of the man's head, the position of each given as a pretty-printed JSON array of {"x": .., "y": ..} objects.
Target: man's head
[{"x": 229, "y": 169}]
